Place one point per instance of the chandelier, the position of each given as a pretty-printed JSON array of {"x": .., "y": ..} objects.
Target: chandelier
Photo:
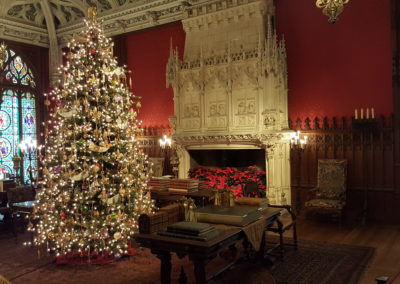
[
  {"x": 332, "y": 8},
  {"x": 3, "y": 50}
]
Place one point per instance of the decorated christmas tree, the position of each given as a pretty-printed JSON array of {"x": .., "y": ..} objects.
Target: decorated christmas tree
[{"x": 94, "y": 172}]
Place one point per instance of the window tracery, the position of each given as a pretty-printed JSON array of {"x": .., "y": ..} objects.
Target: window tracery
[{"x": 17, "y": 113}]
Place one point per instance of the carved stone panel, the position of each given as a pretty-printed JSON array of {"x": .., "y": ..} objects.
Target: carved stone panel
[
  {"x": 244, "y": 110},
  {"x": 216, "y": 110}
]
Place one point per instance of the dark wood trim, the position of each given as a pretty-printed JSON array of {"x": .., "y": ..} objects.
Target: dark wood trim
[
  {"x": 395, "y": 23},
  {"x": 120, "y": 49}
]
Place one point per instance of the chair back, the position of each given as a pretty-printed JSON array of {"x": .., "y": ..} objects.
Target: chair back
[
  {"x": 20, "y": 194},
  {"x": 251, "y": 189},
  {"x": 332, "y": 176}
]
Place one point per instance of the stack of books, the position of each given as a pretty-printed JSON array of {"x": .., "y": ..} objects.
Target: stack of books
[
  {"x": 260, "y": 203},
  {"x": 191, "y": 230},
  {"x": 235, "y": 215},
  {"x": 158, "y": 184},
  {"x": 183, "y": 186}
]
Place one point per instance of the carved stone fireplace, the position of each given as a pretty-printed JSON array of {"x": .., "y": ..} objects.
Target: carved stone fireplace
[{"x": 230, "y": 89}]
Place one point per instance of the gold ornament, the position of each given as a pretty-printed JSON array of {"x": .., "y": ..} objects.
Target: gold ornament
[
  {"x": 117, "y": 235},
  {"x": 99, "y": 149},
  {"x": 103, "y": 195},
  {"x": 109, "y": 218}
]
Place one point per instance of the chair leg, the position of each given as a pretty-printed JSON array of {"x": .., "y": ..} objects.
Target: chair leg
[
  {"x": 281, "y": 250},
  {"x": 14, "y": 227},
  {"x": 280, "y": 230},
  {"x": 295, "y": 236}
]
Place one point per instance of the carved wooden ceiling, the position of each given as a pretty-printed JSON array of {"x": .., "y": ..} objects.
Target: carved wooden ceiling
[
  {"x": 63, "y": 11},
  {"x": 41, "y": 22}
]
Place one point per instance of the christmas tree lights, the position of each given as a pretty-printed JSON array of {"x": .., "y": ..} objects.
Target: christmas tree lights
[{"x": 94, "y": 172}]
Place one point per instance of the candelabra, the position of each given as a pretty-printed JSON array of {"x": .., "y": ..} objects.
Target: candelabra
[
  {"x": 366, "y": 126},
  {"x": 17, "y": 166},
  {"x": 165, "y": 144},
  {"x": 298, "y": 144},
  {"x": 28, "y": 146}
]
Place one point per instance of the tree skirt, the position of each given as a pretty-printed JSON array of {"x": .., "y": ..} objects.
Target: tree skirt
[{"x": 84, "y": 258}]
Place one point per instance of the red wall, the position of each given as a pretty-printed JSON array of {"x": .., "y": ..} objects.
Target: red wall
[
  {"x": 148, "y": 53},
  {"x": 335, "y": 68}
]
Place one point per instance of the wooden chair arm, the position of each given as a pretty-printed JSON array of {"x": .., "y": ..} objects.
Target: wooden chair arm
[
  {"x": 287, "y": 207},
  {"x": 312, "y": 193}
]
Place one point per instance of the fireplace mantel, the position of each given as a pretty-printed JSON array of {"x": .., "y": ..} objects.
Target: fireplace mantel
[{"x": 230, "y": 88}]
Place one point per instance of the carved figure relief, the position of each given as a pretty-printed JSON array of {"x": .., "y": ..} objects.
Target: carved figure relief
[
  {"x": 217, "y": 114},
  {"x": 191, "y": 110},
  {"x": 246, "y": 106},
  {"x": 217, "y": 109},
  {"x": 270, "y": 118}
]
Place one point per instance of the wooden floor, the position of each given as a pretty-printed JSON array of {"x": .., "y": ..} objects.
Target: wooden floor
[{"x": 384, "y": 238}]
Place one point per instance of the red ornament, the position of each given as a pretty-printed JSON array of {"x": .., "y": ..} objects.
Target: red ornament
[
  {"x": 92, "y": 51},
  {"x": 63, "y": 216}
]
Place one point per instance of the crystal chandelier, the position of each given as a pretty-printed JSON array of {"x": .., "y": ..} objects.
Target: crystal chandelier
[
  {"x": 3, "y": 50},
  {"x": 332, "y": 8}
]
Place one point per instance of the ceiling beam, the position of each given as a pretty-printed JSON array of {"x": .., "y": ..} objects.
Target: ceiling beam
[{"x": 54, "y": 51}]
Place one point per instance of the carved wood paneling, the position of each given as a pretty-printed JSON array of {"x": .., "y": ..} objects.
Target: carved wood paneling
[
  {"x": 395, "y": 21},
  {"x": 368, "y": 147},
  {"x": 149, "y": 142}
]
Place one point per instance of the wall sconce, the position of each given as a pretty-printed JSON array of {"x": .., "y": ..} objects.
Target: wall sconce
[
  {"x": 331, "y": 8},
  {"x": 165, "y": 142},
  {"x": 296, "y": 142}
]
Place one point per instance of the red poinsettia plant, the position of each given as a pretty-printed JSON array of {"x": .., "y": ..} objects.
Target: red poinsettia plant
[{"x": 233, "y": 179}]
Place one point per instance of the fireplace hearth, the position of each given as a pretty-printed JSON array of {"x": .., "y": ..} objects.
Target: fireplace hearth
[{"x": 224, "y": 158}]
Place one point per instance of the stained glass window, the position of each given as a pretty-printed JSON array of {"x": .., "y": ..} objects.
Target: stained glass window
[
  {"x": 17, "y": 71},
  {"x": 17, "y": 115}
]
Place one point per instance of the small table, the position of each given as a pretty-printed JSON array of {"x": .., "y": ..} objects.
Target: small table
[
  {"x": 200, "y": 253},
  {"x": 202, "y": 197},
  {"x": 24, "y": 207}
]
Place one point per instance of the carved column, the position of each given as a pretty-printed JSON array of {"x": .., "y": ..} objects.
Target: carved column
[
  {"x": 278, "y": 172},
  {"x": 184, "y": 161}
]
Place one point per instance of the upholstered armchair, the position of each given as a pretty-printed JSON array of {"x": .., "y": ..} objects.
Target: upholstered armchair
[{"x": 330, "y": 194}]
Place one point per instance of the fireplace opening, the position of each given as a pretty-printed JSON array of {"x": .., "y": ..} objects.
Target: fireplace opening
[{"x": 235, "y": 158}]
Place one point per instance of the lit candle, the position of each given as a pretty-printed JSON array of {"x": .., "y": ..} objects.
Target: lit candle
[
  {"x": 372, "y": 113},
  {"x": 355, "y": 114},
  {"x": 362, "y": 114},
  {"x": 130, "y": 82},
  {"x": 302, "y": 142},
  {"x": 367, "y": 113}
]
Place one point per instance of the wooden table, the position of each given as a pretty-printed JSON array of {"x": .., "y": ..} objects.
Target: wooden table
[
  {"x": 202, "y": 197},
  {"x": 200, "y": 253}
]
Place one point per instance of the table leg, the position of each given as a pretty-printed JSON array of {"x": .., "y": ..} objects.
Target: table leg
[
  {"x": 165, "y": 273},
  {"x": 200, "y": 270}
]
